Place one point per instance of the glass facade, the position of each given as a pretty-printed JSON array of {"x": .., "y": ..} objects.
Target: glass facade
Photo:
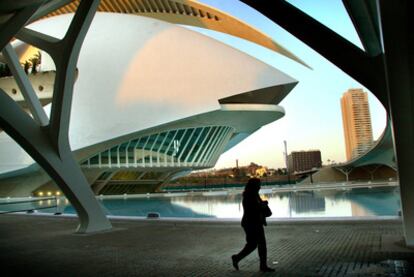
[{"x": 190, "y": 147}]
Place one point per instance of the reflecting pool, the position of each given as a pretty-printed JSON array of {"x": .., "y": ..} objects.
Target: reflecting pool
[{"x": 222, "y": 204}]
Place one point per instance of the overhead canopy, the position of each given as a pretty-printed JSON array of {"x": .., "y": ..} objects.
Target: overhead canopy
[
  {"x": 187, "y": 12},
  {"x": 381, "y": 153}
]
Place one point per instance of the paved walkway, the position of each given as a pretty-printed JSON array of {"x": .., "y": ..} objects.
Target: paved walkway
[{"x": 47, "y": 246}]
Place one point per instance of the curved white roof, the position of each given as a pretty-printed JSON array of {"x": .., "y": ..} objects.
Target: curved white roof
[
  {"x": 186, "y": 12},
  {"x": 137, "y": 72}
]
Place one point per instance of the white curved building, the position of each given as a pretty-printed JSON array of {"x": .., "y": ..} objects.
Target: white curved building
[{"x": 152, "y": 101}]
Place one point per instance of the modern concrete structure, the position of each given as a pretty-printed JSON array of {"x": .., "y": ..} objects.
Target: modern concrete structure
[
  {"x": 356, "y": 120},
  {"x": 304, "y": 160},
  {"x": 384, "y": 67},
  {"x": 46, "y": 138},
  {"x": 165, "y": 113},
  {"x": 376, "y": 164},
  {"x": 186, "y": 12},
  {"x": 156, "y": 113}
]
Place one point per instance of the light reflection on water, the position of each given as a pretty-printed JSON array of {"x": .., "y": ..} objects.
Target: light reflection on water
[{"x": 325, "y": 203}]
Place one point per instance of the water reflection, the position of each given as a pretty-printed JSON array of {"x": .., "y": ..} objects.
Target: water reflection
[
  {"x": 325, "y": 203},
  {"x": 307, "y": 201},
  {"x": 380, "y": 201},
  {"x": 220, "y": 206},
  {"x": 142, "y": 206},
  {"x": 322, "y": 203}
]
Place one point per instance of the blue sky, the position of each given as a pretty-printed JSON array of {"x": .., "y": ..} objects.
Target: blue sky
[{"x": 313, "y": 114}]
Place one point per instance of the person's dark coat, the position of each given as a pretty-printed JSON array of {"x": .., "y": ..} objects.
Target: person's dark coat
[{"x": 252, "y": 207}]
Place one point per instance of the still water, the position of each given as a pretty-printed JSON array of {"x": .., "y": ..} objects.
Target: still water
[{"x": 324, "y": 203}]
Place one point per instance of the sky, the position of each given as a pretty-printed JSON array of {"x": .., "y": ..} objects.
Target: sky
[{"x": 313, "y": 114}]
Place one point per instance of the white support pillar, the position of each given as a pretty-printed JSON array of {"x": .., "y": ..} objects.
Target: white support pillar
[
  {"x": 143, "y": 152},
  {"x": 49, "y": 145},
  {"x": 346, "y": 172},
  {"x": 25, "y": 86},
  {"x": 63, "y": 168},
  {"x": 152, "y": 149},
  {"x": 127, "y": 154},
  {"x": 159, "y": 149}
]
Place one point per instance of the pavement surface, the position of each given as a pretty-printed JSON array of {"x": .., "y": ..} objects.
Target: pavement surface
[{"x": 47, "y": 246}]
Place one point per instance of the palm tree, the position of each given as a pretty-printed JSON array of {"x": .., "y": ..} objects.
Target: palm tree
[
  {"x": 26, "y": 67},
  {"x": 35, "y": 61}
]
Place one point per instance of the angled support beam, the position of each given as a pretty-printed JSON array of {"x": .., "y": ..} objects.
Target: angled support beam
[
  {"x": 65, "y": 172},
  {"x": 25, "y": 86},
  {"x": 39, "y": 40},
  {"x": 398, "y": 39},
  {"x": 364, "y": 16},
  {"x": 65, "y": 61},
  {"x": 49, "y": 145},
  {"x": 367, "y": 70},
  {"x": 65, "y": 53},
  {"x": 10, "y": 27}
]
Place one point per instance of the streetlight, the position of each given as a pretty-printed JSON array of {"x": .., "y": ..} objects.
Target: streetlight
[{"x": 286, "y": 161}]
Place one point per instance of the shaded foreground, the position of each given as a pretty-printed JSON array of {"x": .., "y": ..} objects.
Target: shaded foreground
[{"x": 47, "y": 246}]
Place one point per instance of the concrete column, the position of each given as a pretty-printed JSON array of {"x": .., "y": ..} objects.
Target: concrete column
[
  {"x": 61, "y": 167},
  {"x": 49, "y": 145},
  {"x": 346, "y": 172},
  {"x": 371, "y": 172},
  {"x": 398, "y": 37}
]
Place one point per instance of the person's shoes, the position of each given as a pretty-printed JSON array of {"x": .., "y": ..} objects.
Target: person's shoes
[
  {"x": 266, "y": 269},
  {"x": 235, "y": 262}
]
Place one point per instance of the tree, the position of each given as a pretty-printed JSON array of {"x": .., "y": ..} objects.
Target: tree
[
  {"x": 35, "y": 61},
  {"x": 26, "y": 67},
  {"x": 4, "y": 70},
  {"x": 281, "y": 171}
]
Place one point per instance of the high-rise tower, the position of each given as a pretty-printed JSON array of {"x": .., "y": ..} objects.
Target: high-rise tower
[{"x": 357, "y": 122}]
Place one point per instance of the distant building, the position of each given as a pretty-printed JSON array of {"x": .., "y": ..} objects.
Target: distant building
[
  {"x": 357, "y": 123},
  {"x": 304, "y": 160}
]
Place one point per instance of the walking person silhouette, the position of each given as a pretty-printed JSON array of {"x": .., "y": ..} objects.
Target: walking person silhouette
[{"x": 254, "y": 218}]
